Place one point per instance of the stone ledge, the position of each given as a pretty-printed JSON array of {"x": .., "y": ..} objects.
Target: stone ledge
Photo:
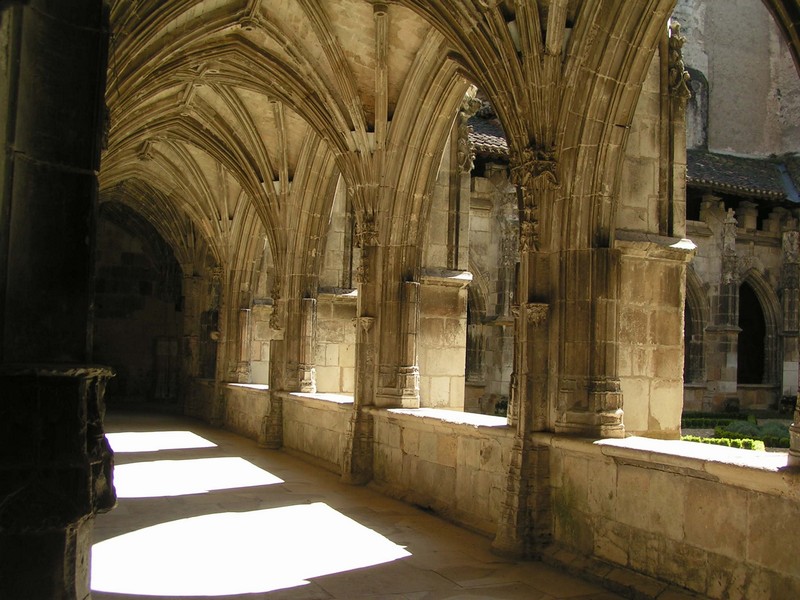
[
  {"x": 256, "y": 387},
  {"x": 619, "y": 580},
  {"x": 452, "y": 417},
  {"x": 322, "y": 396},
  {"x": 766, "y": 472}
]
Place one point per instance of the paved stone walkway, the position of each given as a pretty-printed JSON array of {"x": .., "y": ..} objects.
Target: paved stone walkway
[{"x": 206, "y": 513}]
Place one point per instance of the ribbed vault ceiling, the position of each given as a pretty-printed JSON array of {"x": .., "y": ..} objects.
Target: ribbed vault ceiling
[{"x": 218, "y": 108}]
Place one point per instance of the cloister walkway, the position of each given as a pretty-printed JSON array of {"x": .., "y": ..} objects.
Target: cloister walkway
[{"x": 206, "y": 513}]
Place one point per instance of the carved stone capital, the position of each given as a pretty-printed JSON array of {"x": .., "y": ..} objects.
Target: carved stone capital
[
  {"x": 366, "y": 233},
  {"x": 532, "y": 165},
  {"x": 536, "y": 313},
  {"x": 364, "y": 323}
]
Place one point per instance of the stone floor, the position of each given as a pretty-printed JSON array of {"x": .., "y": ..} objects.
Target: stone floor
[{"x": 206, "y": 513}]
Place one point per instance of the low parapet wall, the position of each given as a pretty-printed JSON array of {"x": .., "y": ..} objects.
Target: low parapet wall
[
  {"x": 451, "y": 462},
  {"x": 721, "y": 522}
]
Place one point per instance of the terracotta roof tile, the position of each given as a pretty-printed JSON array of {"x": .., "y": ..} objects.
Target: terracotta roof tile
[
  {"x": 488, "y": 138},
  {"x": 770, "y": 178}
]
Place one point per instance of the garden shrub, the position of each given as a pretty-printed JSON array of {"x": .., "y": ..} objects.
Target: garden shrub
[
  {"x": 743, "y": 443},
  {"x": 773, "y": 435},
  {"x": 703, "y": 422}
]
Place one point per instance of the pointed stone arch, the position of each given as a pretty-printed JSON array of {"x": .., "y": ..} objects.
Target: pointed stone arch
[
  {"x": 770, "y": 308},
  {"x": 696, "y": 319}
]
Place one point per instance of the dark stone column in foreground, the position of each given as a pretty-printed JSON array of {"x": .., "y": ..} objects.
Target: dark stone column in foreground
[{"x": 55, "y": 463}]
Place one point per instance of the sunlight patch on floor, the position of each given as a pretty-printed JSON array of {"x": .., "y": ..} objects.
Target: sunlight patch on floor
[
  {"x": 153, "y": 441},
  {"x": 238, "y": 553},
  {"x": 158, "y": 478}
]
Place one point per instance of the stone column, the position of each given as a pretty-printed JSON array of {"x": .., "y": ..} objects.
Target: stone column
[
  {"x": 308, "y": 338},
  {"x": 398, "y": 373},
  {"x": 190, "y": 359},
  {"x": 299, "y": 346},
  {"x": 56, "y": 463},
  {"x": 723, "y": 336},
  {"x": 358, "y": 454},
  {"x": 590, "y": 397},
  {"x": 524, "y": 526},
  {"x": 220, "y": 292},
  {"x": 245, "y": 335},
  {"x": 790, "y": 299},
  {"x": 790, "y": 281}
]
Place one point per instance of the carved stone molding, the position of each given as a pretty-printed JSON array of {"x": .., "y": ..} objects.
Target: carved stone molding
[
  {"x": 362, "y": 273},
  {"x": 145, "y": 151},
  {"x": 791, "y": 246},
  {"x": 528, "y": 232}
]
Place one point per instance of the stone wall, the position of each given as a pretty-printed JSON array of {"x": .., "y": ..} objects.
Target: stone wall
[
  {"x": 199, "y": 401},
  {"x": 138, "y": 318},
  {"x": 730, "y": 42},
  {"x": 442, "y": 341},
  {"x": 246, "y": 405},
  {"x": 335, "y": 355},
  {"x": 262, "y": 336},
  {"x": 716, "y": 521},
  {"x": 651, "y": 338},
  {"x": 639, "y": 191},
  {"x": 454, "y": 464},
  {"x": 492, "y": 258},
  {"x": 316, "y": 425}
]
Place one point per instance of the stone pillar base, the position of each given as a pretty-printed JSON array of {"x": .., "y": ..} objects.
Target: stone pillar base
[
  {"x": 794, "y": 437},
  {"x": 357, "y": 467},
  {"x": 56, "y": 474},
  {"x": 47, "y": 565},
  {"x": 271, "y": 434},
  {"x": 525, "y": 524},
  {"x": 605, "y": 424}
]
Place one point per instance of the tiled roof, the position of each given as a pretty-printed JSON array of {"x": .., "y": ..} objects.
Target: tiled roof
[
  {"x": 769, "y": 178},
  {"x": 488, "y": 138}
]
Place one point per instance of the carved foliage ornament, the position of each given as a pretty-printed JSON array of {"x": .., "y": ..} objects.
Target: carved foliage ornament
[
  {"x": 366, "y": 233},
  {"x": 532, "y": 165},
  {"x": 532, "y": 168},
  {"x": 466, "y": 151},
  {"x": 535, "y": 313},
  {"x": 678, "y": 77}
]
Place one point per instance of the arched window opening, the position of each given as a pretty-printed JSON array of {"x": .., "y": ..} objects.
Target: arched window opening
[
  {"x": 689, "y": 374},
  {"x": 751, "y": 353}
]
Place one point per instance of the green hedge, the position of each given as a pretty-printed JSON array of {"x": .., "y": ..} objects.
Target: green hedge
[
  {"x": 736, "y": 416},
  {"x": 746, "y": 444},
  {"x": 704, "y": 422},
  {"x": 774, "y": 435}
]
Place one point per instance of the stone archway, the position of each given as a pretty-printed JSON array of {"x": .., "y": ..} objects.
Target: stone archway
[{"x": 751, "y": 345}]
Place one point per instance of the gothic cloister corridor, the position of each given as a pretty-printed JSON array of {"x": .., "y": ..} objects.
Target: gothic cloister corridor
[{"x": 299, "y": 532}]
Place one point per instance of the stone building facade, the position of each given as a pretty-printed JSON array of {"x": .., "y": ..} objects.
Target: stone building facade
[
  {"x": 742, "y": 208},
  {"x": 352, "y": 277}
]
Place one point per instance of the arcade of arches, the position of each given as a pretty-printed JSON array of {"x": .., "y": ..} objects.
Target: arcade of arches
[{"x": 300, "y": 238}]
